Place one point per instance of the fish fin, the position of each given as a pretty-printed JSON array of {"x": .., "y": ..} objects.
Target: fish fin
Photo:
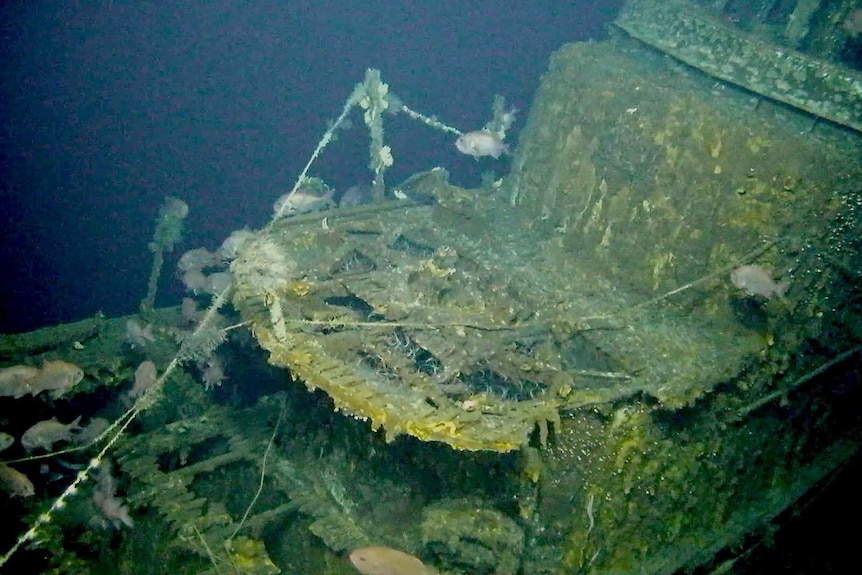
[{"x": 503, "y": 151}]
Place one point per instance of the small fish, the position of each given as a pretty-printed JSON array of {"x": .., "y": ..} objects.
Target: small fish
[
  {"x": 145, "y": 377},
  {"x": 302, "y": 202},
  {"x": 16, "y": 482},
  {"x": 757, "y": 280},
  {"x": 481, "y": 143},
  {"x": 45, "y": 434},
  {"x": 14, "y": 380},
  {"x": 355, "y": 196},
  {"x": 56, "y": 377},
  {"x": 377, "y": 560}
]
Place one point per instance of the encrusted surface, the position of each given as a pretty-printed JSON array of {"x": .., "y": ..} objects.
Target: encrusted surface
[
  {"x": 467, "y": 327},
  {"x": 818, "y": 87}
]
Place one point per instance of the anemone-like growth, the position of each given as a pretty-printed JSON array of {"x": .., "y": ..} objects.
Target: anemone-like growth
[
  {"x": 168, "y": 233},
  {"x": 261, "y": 267}
]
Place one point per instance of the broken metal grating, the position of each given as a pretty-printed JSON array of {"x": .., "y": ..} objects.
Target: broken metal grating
[{"x": 401, "y": 323}]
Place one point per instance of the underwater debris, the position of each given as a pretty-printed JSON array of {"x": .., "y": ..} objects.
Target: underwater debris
[
  {"x": 470, "y": 533},
  {"x": 266, "y": 273}
]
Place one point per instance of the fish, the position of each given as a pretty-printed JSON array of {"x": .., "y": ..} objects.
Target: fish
[
  {"x": 45, "y": 434},
  {"x": 14, "y": 380},
  {"x": 16, "y": 482},
  {"x": 145, "y": 377},
  {"x": 302, "y": 201},
  {"x": 354, "y": 196},
  {"x": 481, "y": 143},
  {"x": 378, "y": 560},
  {"x": 56, "y": 377},
  {"x": 756, "y": 280}
]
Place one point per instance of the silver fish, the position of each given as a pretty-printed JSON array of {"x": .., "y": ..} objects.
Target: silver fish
[
  {"x": 14, "y": 380},
  {"x": 481, "y": 143},
  {"x": 56, "y": 377},
  {"x": 757, "y": 280},
  {"x": 302, "y": 202},
  {"x": 45, "y": 434},
  {"x": 145, "y": 377}
]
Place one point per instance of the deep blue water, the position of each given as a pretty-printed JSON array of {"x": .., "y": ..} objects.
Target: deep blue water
[{"x": 110, "y": 106}]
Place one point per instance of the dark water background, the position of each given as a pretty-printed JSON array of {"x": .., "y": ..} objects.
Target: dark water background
[{"x": 110, "y": 106}]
